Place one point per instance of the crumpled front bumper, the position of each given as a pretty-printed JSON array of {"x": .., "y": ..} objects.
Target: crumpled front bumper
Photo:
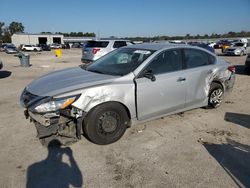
[{"x": 45, "y": 120}]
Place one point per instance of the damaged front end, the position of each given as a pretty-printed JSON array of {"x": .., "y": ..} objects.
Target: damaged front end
[{"x": 54, "y": 118}]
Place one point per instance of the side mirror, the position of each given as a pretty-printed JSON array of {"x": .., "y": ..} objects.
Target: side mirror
[{"x": 149, "y": 74}]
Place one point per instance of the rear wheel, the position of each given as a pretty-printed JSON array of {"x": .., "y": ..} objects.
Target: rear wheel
[
  {"x": 106, "y": 123},
  {"x": 215, "y": 95}
]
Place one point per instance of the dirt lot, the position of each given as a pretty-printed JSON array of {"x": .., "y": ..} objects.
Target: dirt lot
[{"x": 200, "y": 148}]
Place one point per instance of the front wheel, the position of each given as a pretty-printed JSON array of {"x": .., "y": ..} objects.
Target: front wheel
[
  {"x": 106, "y": 123},
  {"x": 215, "y": 95}
]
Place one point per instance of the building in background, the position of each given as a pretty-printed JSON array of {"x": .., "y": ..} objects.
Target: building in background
[{"x": 33, "y": 39}]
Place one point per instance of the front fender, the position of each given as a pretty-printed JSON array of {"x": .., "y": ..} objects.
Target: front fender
[{"x": 122, "y": 93}]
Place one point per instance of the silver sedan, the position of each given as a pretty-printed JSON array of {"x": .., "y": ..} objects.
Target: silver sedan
[{"x": 129, "y": 85}]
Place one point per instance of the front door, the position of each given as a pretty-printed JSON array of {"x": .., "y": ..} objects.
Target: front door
[{"x": 167, "y": 92}]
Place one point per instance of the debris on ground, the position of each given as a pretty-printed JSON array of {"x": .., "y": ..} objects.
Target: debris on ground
[
  {"x": 144, "y": 127},
  {"x": 229, "y": 102}
]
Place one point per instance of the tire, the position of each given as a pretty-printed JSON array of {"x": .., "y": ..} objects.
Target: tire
[
  {"x": 106, "y": 123},
  {"x": 35, "y": 50},
  {"x": 215, "y": 96}
]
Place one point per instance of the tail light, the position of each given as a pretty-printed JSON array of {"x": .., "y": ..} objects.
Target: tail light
[
  {"x": 231, "y": 69},
  {"x": 95, "y": 50}
]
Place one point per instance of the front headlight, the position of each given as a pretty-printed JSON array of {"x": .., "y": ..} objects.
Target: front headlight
[{"x": 55, "y": 105}]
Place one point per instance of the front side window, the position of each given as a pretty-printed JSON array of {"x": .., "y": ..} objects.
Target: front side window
[
  {"x": 120, "y": 62},
  {"x": 168, "y": 61},
  {"x": 195, "y": 58}
]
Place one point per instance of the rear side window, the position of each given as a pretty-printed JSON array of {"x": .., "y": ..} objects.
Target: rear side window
[
  {"x": 119, "y": 44},
  {"x": 98, "y": 44},
  {"x": 195, "y": 58}
]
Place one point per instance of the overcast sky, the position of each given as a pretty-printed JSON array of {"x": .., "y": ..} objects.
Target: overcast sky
[{"x": 129, "y": 17}]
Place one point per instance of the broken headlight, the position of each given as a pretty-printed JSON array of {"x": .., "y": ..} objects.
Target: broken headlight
[{"x": 55, "y": 104}]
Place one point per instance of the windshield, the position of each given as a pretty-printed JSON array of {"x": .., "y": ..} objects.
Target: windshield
[
  {"x": 120, "y": 62},
  {"x": 238, "y": 44}
]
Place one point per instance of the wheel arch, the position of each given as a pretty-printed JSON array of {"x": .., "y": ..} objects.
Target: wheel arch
[
  {"x": 219, "y": 82},
  {"x": 109, "y": 102}
]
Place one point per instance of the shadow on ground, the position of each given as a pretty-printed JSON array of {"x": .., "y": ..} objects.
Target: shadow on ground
[
  {"x": 240, "y": 119},
  {"x": 52, "y": 172},
  {"x": 234, "y": 158},
  {"x": 4, "y": 74}
]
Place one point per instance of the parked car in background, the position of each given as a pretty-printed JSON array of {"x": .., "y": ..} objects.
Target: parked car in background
[
  {"x": 211, "y": 44},
  {"x": 225, "y": 45},
  {"x": 77, "y": 45},
  {"x": 202, "y": 45},
  {"x": 2, "y": 47},
  {"x": 95, "y": 49},
  {"x": 237, "y": 48},
  {"x": 247, "y": 64},
  {"x": 129, "y": 85},
  {"x": 55, "y": 46},
  {"x": 6, "y": 45},
  {"x": 44, "y": 47},
  {"x": 11, "y": 49},
  {"x": 65, "y": 46},
  {"x": 31, "y": 48},
  {"x": 220, "y": 43}
]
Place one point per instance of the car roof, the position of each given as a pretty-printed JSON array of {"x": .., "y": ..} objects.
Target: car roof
[
  {"x": 109, "y": 40},
  {"x": 162, "y": 46},
  {"x": 156, "y": 46}
]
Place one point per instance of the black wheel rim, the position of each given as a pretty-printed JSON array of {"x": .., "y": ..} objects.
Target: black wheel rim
[{"x": 108, "y": 123}]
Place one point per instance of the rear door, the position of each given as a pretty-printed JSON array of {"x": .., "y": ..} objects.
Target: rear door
[
  {"x": 199, "y": 67},
  {"x": 167, "y": 93}
]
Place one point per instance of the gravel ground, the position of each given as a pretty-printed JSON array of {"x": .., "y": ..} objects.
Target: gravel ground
[{"x": 200, "y": 148}]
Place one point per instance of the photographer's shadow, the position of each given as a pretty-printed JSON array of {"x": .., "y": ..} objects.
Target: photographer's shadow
[{"x": 53, "y": 172}]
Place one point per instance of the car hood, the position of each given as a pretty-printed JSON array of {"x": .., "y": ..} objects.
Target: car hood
[{"x": 66, "y": 80}]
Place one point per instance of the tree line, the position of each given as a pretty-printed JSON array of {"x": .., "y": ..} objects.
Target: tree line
[
  {"x": 6, "y": 31},
  {"x": 72, "y": 34},
  {"x": 230, "y": 34}
]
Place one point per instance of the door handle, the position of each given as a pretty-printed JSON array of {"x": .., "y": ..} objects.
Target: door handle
[{"x": 181, "y": 79}]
